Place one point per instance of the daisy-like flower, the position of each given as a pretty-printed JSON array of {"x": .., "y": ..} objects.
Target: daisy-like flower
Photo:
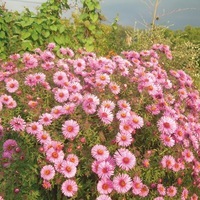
[
  {"x": 74, "y": 86},
  {"x": 57, "y": 111},
  {"x": 105, "y": 186},
  {"x": 105, "y": 115},
  {"x": 12, "y": 104},
  {"x": 45, "y": 119},
  {"x": 125, "y": 159},
  {"x": 137, "y": 185},
  {"x": 167, "y": 140},
  {"x": 184, "y": 194},
  {"x": 168, "y": 161},
  {"x": 29, "y": 60},
  {"x": 73, "y": 159},
  {"x": 54, "y": 155},
  {"x": 108, "y": 104},
  {"x": 79, "y": 65},
  {"x": 69, "y": 188},
  {"x": 6, "y": 99},
  {"x": 105, "y": 170},
  {"x": 102, "y": 79},
  {"x": 76, "y": 98},
  {"x": 122, "y": 115},
  {"x": 114, "y": 87},
  {"x": 1, "y": 198},
  {"x": 171, "y": 191},
  {"x": 10, "y": 145},
  {"x": 47, "y": 172},
  {"x": 70, "y": 129},
  {"x": 103, "y": 197},
  {"x": 99, "y": 152},
  {"x": 43, "y": 137},
  {"x": 17, "y": 124},
  {"x": 30, "y": 80},
  {"x": 158, "y": 198},
  {"x": 95, "y": 166},
  {"x": 68, "y": 169},
  {"x": 125, "y": 127},
  {"x": 123, "y": 104},
  {"x": 61, "y": 95},
  {"x": 69, "y": 108},
  {"x": 59, "y": 78},
  {"x": 153, "y": 109},
  {"x": 188, "y": 155},
  {"x": 40, "y": 77},
  {"x": 124, "y": 139},
  {"x": 144, "y": 191},
  {"x": 167, "y": 125},
  {"x": 34, "y": 128},
  {"x": 12, "y": 85},
  {"x": 161, "y": 189},
  {"x": 122, "y": 183},
  {"x": 136, "y": 121}
]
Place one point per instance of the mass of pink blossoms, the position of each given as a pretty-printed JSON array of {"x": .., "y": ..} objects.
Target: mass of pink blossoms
[{"x": 82, "y": 87}]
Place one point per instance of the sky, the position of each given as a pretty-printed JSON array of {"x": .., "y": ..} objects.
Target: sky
[{"x": 175, "y": 14}]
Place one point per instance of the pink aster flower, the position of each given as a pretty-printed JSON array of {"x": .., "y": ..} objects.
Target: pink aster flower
[
  {"x": 104, "y": 186},
  {"x": 34, "y": 128},
  {"x": 73, "y": 159},
  {"x": 68, "y": 169},
  {"x": 122, "y": 115},
  {"x": 45, "y": 119},
  {"x": 105, "y": 170},
  {"x": 1, "y": 198},
  {"x": 76, "y": 98},
  {"x": 123, "y": 104},
  {"x": 6, "y": 99},
  {"x": 70, "y": 129},
  {"x": 153, "y": 109},
  {"x": 29, "y": 60},
  {"x": 47, "y": 56},
  {"x": 10, "y": 145},
  {"x": 188, "y": 155},
  {"x": 59, "y": 78},
  {"x": 122, "y": 183},
  {"x": 114, "y": 87},
  {"x": 125, "y": 127},
  {"x": 47, "y": 172},
  {"x": 167, "y": 140},
  {"x": 161, "y": 189},
  {"x": 54, "y": 155},
  {"x": 184, "y": 194},
  {"x": 30, "y": 80},
  {"x": 171, "y": 191},
  {"x": 99, "y": 152},
  {"x": 74, "y": 86},
  {"x": 137, "y": 185},
  {"x": 95, "y": 166},
  {"x": 18, "y": 124},
  {"x": 125, "y": 159},
  {"x": 167, "y": 125},
  {"x": 108, "y": 104},
  {"x": 168, "y": 161},
  {"x": 144, "y": 191},
  {"x": 136, "y": 121},
  {"x": 69, "y": 188},
  {"x": 12, "y": 85},
  {"x": 69, "y": 108},
  {"x": 103, "y": 197},
  {"x": 79, "y": 65},
  {"x": 12, "y": 104},
  {"x": 124, "y": 139},
  {"x": 158, "y": 198},
  {"x": 61, "y": 95},
  {"x": 102, "y": 79},
  {"x": 40, "y": 77},
  {"x": 43, "y": 137},
  {"x": 57, "y": 111},
  {"x": 105, "y": 115}
]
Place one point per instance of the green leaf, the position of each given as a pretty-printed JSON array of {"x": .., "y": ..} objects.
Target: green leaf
[
  {"x": 2, "y": 35},
  {"x": 34, "y": 35},
  {"x": 94, "y": 17},
  {"x": 61, "y": 29},
  {"x": 46, "y": 34},
  {"x": 26, "y": 45},
  {"x": 25, "y": 35},
  {"x": 53, "y": 28}
]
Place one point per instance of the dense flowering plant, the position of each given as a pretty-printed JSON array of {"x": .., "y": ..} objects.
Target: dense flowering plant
[{"x": 87, "y": 127}]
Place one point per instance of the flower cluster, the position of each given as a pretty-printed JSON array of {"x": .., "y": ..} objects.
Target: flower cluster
[{"x": 144, "y": 122}]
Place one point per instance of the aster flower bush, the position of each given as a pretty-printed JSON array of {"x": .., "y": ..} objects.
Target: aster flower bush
[{"x": 87, "y": 127}]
